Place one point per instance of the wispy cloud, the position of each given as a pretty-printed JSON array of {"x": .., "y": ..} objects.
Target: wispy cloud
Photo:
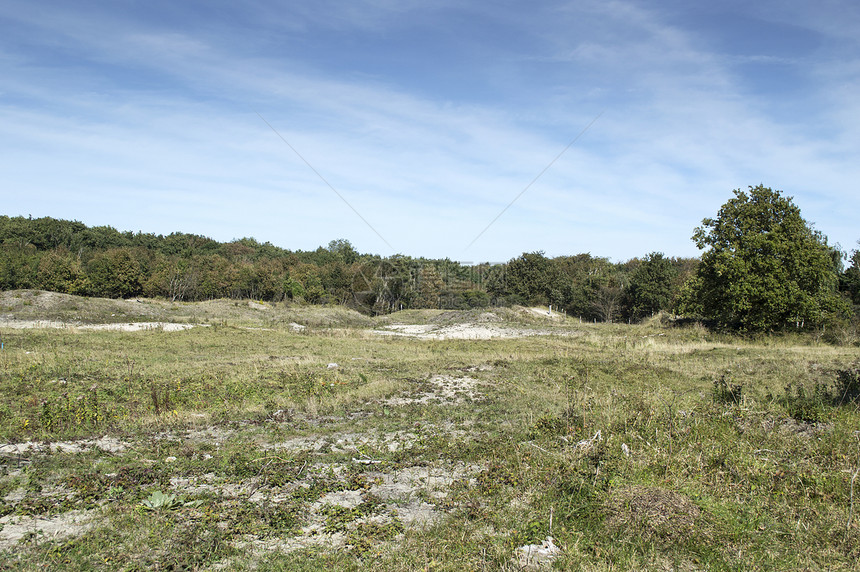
[{"x": 149, "y": 124}]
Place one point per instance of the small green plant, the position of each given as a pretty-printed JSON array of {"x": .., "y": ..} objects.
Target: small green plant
[
  {"x": 367, "y": 536},
  {"x": 814, "y": 406},
  {"x": 526, "y": 533},
  {"x": 548, "y": 426},
  {"x": 725, "y": 391},
  {"x": 338, "y": 517},
  {"x": 160, "y": 501},
  {"x": 85, "y": 411},
  {"x": 495, "y": 477},
  {"x": 571, "y": 421},
  {"x": 804, "y": 405},
  {"x": 31, "y": 536},
  {"x": 160, "y": 397}
]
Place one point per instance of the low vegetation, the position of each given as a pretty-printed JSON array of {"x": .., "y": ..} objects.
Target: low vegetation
[{"x": 271, "y": 437}]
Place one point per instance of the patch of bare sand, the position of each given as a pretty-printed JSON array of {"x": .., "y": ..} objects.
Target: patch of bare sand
[
  {"x": 15, "y": 528},
  {"x": 107, "y": 444},
  {"x": 546, "y": 312},
  {"x": 404, "y": 493},
  {"x": 123, "y": 327},
  {"x": 349, "y": 443},
  {"x": 467, "y": 331},
  {"x": 444, "y": 390}
]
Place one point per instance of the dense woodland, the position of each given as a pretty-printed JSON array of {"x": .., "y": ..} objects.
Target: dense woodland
[{"x": 69, "y": 257}]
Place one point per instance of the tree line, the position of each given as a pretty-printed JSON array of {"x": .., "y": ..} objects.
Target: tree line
[
  {"x": 763, "y": 268},
  {"x": 70, "y": 257}
]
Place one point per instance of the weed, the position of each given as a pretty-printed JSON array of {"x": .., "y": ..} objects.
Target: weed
[
  {"x": 726, "y": 391},
  {"x": 497, "y": 476},
  {"x": 810, "y": 406},
  {"x": 339, "y": 518},
  {"x": 161, "y": 501},
  {"x": 549, "y": 426},
  {"x": 85, "y": 411},
  {"x": 365, "y": 537},
  {"x": 159, "y": 394},
  {"x": 847, "y": 385},
  {"x": 190, "y": 547},
  {"x": 158, "y": 501},
  {"x": 134, "y": 476},
  {"x": 816, "y": 404}
]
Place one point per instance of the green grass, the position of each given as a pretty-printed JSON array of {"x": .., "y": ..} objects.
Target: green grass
[{"x": 634, "y": 447}]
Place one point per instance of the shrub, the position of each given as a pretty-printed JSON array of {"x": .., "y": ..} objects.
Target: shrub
[{"x": 847, "y": 385}]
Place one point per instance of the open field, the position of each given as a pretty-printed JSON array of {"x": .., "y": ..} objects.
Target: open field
[{"x": 275, "y": 438}]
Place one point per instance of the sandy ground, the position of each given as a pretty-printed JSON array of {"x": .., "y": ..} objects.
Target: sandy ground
[
  {"x": 444, "y": 390},
  {"x": 407, "y": 493},
  {"x": 106, "y": 444},
  {"x": 467, "y": 331},
  {"x": 124, "y": 327},
  {"x": 404, "y": 492},
  {"x": 15, "y": 528}
]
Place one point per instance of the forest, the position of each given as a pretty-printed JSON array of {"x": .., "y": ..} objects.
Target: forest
[
  {"x": 69, "y": 257},
  {"x": 757, "y": 280}
]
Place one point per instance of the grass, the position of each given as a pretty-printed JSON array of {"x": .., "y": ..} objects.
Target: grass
[{"x": 237, "y": 446}]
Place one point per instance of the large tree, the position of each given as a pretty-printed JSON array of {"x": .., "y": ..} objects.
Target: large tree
[
  {"x": 532, "y": 279},
  {"x": 764, "y": 268},
  {"x": 650, "y": 287},
  {"x": 114, "y": 273}
]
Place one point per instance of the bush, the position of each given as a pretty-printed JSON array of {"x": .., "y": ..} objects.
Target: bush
[
  {"x": 726, "y": 392},
  {"x": 806, "y": 406},
  {"x": 847, "y": 385},
  {"x": 814, "y": 405}
]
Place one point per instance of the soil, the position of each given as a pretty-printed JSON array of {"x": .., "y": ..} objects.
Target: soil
[
  {"x": 410, "y": 496},
  {"x": 125, "y": 327},
  {"x": 17, "y": 528},
  {"x": 466, "y": 331}
]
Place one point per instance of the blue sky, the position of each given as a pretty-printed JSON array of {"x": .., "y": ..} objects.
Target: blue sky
[{"x": 428, "y": 119}]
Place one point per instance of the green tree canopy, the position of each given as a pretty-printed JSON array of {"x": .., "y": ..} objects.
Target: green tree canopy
[
  {"x": 650, "y": 287},
  {"x": 114, "y": 273},
  {"x": 532, "y": 278},
  {"x": 764, "y": 267},
  {"x": 849, "y": 280}
]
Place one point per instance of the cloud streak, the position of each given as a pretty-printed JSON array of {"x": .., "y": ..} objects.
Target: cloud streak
[{"x": 148, "y": 123}]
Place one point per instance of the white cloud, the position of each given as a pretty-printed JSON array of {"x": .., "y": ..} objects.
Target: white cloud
[{"x": 155, "y": 129}]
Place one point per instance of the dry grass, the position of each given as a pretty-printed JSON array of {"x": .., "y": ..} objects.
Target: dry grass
[
  {"x": 619, "y": 441},
  {"x": 654, "y": 514}
]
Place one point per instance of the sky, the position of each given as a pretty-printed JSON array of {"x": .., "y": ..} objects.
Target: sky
[{"x": 469, "y": 130}]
